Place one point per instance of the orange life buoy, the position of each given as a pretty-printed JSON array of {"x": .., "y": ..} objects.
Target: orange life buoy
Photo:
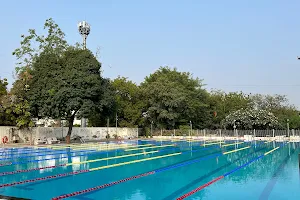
[{"x": 5, "y": 139}]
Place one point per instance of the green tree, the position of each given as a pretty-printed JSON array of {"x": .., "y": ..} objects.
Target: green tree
[
  {"x": 3, "y": 87},
  {"x": 67, "y": 85},
  {"x": 107, "y": 110},
  {"x": 5, "y": 101},
  {"x": 129, "y": 102},
  {"x": 31, "y": 46},
  {"x": 175, "y": 98}
]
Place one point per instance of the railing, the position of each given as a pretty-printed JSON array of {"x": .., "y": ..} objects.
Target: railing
[{"x": 225, "y": 133}]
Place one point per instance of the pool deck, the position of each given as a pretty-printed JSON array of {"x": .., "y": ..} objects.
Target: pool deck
[{"x": 155, "y": 138}]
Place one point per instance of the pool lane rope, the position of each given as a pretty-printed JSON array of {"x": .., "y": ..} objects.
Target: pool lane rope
[
  {"x": 51, "y": 154},
  {"x": 87, "y": 152},
  {"x": 161, "y": 146},
  {"x": 74, "y": 163},
  {"x": 224, "y": 175},
  {"x": 89, "y": 161},
  {"x": 139, "y": 176},
  {"x": 45, "y": 159},
  {"x": 86, "y": 171},
  {"x": 40, "y": 160}
]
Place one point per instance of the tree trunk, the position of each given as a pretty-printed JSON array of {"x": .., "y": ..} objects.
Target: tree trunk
[{"x": 71, "y": 120}]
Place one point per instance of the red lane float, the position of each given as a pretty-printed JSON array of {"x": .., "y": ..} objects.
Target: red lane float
[
  {"x": 102, "y": 186},
  {"x": 199, "y": 188}
]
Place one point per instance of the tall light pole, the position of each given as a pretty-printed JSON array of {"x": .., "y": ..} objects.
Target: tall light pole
[{"x": 84, "y": 30}]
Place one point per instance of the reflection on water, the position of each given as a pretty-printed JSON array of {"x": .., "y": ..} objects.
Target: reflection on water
[{"x": 166, "y": 185}]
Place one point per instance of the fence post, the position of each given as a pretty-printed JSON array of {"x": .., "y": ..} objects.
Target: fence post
[
  {"x": 204, "y": 133},
  {"x": 174, "y": 133},
  {"x": 273, "y": 132},
  {"x": 160, "y": 132},
  {"x": 254, "y": 133}
]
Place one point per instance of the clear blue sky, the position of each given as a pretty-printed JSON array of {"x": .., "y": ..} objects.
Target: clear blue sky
[{"x": 232, "y": 45}]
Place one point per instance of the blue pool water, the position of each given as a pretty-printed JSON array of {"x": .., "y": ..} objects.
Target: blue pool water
[{"x": 274, "y": 176}]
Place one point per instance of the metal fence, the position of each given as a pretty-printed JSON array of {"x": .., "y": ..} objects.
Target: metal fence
[{"x": 224, "y": 133}]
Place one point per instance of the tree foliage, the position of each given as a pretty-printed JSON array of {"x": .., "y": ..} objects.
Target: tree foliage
[
  {"x": 175, "y": 98},
  {"x": 129, "y": 102},
  {"x": 279, "y": 106},
  {"x": 223, "y": 104},
  {"x": 67, "y": 85},
  {"x": 107, "y": 109},
  {"x": 57, "y": 80},
  {"x": 251, "y": 119}
]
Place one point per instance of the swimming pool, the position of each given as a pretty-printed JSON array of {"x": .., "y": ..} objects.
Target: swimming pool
[{"x": 153, "y": 170}]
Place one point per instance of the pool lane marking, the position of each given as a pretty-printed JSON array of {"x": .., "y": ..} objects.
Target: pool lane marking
[
  {"x": 87, "y": 170},
  {"x": 138, "y": 176},
  {"x": 94, "y": 146},
  {"x": 88, "y": 146},
  {"x": 29, "y": 161},
  {"x": 46, "y": 150},
  {"x": 39, "y": 160},
  {"x": 89, "y": 161},
  {"x": 226, "y": 145},
  {"x": 61, "y": 152},
  {"x": 134, "y": 161},
  {"x": 208, "y": 144},
  {"x": 161, "y": 146},
  {"x": 84, "y": 154},
  {"x": 236, "y": 150},
  {"x": 74, "y": 163},
  {"x": 51, "y": 154},
  {"x": 111, "y": 158},
  {"x": 223, "y": 176},
  {"x": 271, "y": 151}
]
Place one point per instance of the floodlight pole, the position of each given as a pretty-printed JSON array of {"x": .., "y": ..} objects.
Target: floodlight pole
[{"x": 84, "y": 30}]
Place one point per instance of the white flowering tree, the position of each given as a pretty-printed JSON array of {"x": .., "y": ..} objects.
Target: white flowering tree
[{"x": 251, "y": 119}]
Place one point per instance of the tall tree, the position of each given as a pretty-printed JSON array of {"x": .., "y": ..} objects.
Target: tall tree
[
  {"x": 130, "y": 105},
  {"x": 5, "y": 102},
  {"x": 67, "y": 85},
  {"x": 107, "y": 109},
  {"x": 175, "y": 98},
  {"x": 31, "y": 46}
]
